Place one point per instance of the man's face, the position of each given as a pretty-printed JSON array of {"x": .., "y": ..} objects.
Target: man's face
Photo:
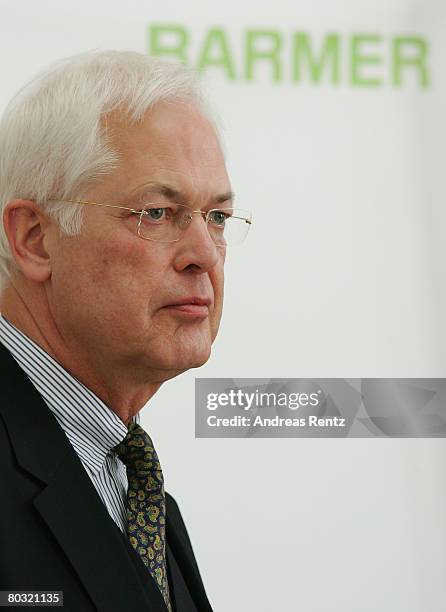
[{"x": 115, "y": 295}]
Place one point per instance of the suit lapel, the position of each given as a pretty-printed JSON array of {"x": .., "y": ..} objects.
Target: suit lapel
[
  {"x": 69, "y": 503},
  {"x": 73, "y": 511}
]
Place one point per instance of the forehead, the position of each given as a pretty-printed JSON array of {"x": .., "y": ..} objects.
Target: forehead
[{"x": 173, "y": 144}]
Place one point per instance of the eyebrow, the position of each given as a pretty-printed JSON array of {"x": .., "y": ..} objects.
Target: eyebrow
[{"x": 175, "y": 195}]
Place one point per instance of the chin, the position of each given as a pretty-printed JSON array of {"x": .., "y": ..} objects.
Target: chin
[
  {"x": 198, "y": 360},
  {"x": 181, "y": 351},
  {"x": 193, "y": 358}
]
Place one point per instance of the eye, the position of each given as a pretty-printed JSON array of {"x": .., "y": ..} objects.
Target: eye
[
  {"x": 156, "y": 213},
  {"x": 218, "y": 217}
]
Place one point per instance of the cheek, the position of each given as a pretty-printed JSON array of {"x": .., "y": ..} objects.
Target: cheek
[
  {"x": 220, "y": 274},
  {"x": 217, "y": 280},
  {"x": 131, "y": 280},
  {"x": 114, "y": 278},
  {"x": 218, "y": 284}
]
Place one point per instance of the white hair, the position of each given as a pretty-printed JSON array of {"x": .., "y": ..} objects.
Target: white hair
[{"x": 53, "y": 143}]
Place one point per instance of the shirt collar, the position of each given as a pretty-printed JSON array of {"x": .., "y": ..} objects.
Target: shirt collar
[{"x": 92, "y": 428}]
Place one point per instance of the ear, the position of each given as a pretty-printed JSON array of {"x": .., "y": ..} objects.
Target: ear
[{"x": 25, "y": 225}]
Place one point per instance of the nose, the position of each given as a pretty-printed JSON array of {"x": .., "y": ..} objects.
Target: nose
[{"x": 196, "y": 248}]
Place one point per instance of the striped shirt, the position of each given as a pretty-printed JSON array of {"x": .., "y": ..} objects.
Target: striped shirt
[{"x": 92, "y": 428}]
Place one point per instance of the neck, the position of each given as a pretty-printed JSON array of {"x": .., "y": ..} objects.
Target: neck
[{"x": 113, "y": 385}]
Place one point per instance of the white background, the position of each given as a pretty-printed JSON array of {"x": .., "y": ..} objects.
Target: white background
[{"x": 341, "y": 277}]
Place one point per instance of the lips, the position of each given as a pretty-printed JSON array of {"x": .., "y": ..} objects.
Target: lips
[
  {"x": 200, "y": 301},
  {"x": 191, "y": 305}
]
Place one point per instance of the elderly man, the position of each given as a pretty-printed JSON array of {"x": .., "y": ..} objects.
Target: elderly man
[{"x": 117, "y": 211}]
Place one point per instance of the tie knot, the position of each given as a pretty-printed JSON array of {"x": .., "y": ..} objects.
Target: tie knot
[{"x": 136, "y": 451}]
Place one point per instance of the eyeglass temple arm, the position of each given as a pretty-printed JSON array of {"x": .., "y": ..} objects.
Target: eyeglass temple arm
[{"x": 90, "y": 203}]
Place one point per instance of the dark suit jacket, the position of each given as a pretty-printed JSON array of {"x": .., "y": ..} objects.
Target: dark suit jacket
[{"x": 55, "y": 532}]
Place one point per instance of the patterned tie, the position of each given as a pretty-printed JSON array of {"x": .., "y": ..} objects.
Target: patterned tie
[{"x": 145, "y": 504}]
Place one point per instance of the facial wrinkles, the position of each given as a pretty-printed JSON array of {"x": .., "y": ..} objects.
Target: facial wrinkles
[
  {"x": 189, "y": 184},
  {"x": 193, "y": 154}
]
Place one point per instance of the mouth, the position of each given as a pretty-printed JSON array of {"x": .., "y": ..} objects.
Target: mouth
[{"x": 193, "y": 307}]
